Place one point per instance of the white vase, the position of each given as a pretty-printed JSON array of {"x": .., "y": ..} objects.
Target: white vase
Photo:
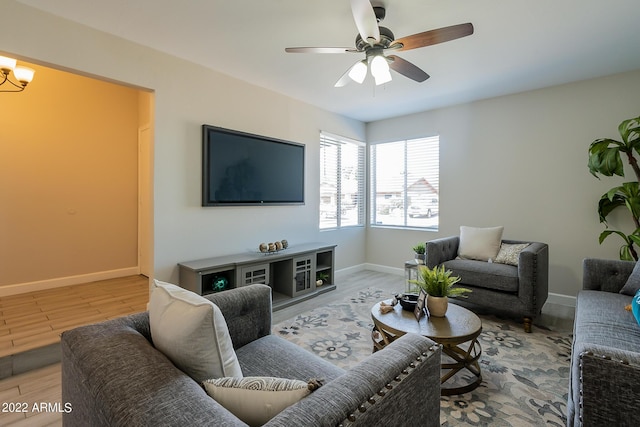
[{"x": 437, "y": 306}]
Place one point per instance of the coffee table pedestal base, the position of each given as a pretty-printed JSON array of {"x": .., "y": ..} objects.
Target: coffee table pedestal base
[{"x": 462, "y": 359}]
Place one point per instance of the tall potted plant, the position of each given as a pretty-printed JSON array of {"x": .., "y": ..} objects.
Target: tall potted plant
[
  {"x": 605, "y": 158},
  {"x": 438, "y": 283}
]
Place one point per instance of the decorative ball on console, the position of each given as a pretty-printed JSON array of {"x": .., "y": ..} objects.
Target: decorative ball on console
[
  {"x": 219, "y": 283},
  {"x": 272, "y": 247},
  {"x": 263, "y": 247},
  {"x": 278, "y": 246},
  {"x": 285, "y": 243}
]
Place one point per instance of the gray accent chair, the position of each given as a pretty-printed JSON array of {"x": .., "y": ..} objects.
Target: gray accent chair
[
  {"x": 519, "y": 291},
  {"x": 604, "y": 388},
  {"x": 113, "y": 376}
]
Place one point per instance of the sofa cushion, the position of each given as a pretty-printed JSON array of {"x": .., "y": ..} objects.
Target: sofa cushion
[
  {"x": 264, "y": 358},
  {"x": 191, "y": 331},
  {"x": 255, "y": 400},
  {"x": 499, "y": 277},
  {"x": 602, "y": 320},
  {"x": 632, "y": 285},
  {"x": 480, "y": 244},
  {"x": 510, "y": 253}
]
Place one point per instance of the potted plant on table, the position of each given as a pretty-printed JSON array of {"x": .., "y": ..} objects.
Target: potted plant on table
[
  {"x": 438, "y": 283},
  {"x": 420, "y": 250}
]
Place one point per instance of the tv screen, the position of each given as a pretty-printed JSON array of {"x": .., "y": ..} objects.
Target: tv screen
[{"x": 244, "y": 169}]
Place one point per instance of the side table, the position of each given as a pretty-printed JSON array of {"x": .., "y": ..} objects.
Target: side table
[{"x": 410, "y": 273}]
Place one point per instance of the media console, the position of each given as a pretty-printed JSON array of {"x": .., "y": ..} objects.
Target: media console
[{"x": 291, "y": 273}]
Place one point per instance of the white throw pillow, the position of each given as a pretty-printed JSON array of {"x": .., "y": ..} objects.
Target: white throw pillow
[
  {"x": 480, "y": 244},
  {"x": 255, "y": 400},
  {"x": 191, "y": 331}
]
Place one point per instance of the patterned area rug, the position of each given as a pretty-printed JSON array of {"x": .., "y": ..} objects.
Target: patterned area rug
[{"x": 524, "y": 376}]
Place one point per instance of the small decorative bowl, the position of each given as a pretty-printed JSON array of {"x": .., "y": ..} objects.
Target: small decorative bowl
[{"x": 409, "y": 301}]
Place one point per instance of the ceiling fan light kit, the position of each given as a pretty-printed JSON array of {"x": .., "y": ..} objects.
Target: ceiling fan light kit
[
  {"x": 380, "y": 70},
  {"x": 358, "y": 72},
  {"x": 373, "y": 40}
]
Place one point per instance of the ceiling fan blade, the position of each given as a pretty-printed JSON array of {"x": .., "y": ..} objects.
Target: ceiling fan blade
[
  {"x": 432, "y": 37},
  {"x": 320, "y": 49},
  {"x": 366, "y": 21},
  {"x": 407, "y": 69}
]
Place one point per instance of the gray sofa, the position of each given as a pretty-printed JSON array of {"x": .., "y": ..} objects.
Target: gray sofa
[
  {"x": 113, "y": 376},
  {"x": 519, "y": 291},
  {"x": 604, "y": 389}
]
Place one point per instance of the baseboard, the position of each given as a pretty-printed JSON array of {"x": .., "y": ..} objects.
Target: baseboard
[
  {"x": 21, "y": 288},
  {"x": 367, "y": 266},
  {"x": 553, "y": 298},
  {"x": 561, "y": 299}
]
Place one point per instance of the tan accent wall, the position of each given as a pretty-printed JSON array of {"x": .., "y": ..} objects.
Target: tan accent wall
[{"x": 68, "y": 178}]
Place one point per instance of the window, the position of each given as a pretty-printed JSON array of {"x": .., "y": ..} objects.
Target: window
[
  {"x": 342, "y": 185},
  {"x": 405, "y": 183}
]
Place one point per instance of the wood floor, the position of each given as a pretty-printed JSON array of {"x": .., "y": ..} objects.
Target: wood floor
[
  {"x": 37, "y": 319},
  {"x": 108, "y": 299}
]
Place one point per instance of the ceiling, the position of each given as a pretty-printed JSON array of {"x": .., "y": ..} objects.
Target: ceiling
[{"x": 518, "y": 45}]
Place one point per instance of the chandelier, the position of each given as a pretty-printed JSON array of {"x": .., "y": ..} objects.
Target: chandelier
[{"x": 23, "y": 75}]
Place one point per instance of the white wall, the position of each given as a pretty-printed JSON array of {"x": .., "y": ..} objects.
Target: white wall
[
  {"x": 520, "y": 161},
  {"x": 186, "y": 96}
]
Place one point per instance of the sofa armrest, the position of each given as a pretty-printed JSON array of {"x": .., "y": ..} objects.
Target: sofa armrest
[
  {"x": 113, "y": 376},
  {"x": 441, "y": 250},
  {"x": 533, "y": 275},
  {"x": 398, "y": 385},
  {"x": 605, "y": 274},
  {"x": 247, "y": 311},
  {"x": 605, "y": 385}
]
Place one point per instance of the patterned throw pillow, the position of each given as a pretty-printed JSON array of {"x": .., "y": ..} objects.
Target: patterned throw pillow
[
  {"x": 255, "y": 400},
  {"x": 510, "y": 253}
]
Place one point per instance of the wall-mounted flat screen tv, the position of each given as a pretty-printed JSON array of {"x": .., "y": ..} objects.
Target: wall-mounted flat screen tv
[{"x": 240, "y": 168}]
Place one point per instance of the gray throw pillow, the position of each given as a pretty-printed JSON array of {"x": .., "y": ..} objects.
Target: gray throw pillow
[{"x": 633, "y": 282}]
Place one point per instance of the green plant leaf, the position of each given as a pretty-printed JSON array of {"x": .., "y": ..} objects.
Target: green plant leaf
[
  {"x": 420, "y": 248},
  {"x": 604, "y": 158},
  {"x": 625, "y": 253},
  {"x": 608, "y": 204},
  {"x": 628, "y": 195},
  {"x": 630, "y": 130},
  {"x": 437, "y": 281},
  {"x": 607, "y": 233}
]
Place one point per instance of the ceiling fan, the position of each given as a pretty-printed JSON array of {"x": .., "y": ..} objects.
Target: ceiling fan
[{"x": 374, "y": 40}]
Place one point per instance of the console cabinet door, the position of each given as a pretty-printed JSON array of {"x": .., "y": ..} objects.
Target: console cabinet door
[
  {"x": 304, "y": 270},
  {"x": 252, "y": 274}
]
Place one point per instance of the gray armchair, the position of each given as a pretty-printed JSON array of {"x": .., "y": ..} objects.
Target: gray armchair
[{"x": 517, "y": 290}]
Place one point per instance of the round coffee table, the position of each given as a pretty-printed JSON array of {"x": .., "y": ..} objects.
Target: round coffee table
[{"x": 457, "y": 332}]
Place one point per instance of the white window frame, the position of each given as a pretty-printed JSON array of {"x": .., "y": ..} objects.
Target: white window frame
[
  {"x": 396, "y": 202},
  {"x": 334, "y": 204}
]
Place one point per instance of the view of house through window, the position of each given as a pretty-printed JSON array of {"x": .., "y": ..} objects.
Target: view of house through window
[
  {"x": 342, "y": 182},
  {"x": 405, "y": 183}
]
